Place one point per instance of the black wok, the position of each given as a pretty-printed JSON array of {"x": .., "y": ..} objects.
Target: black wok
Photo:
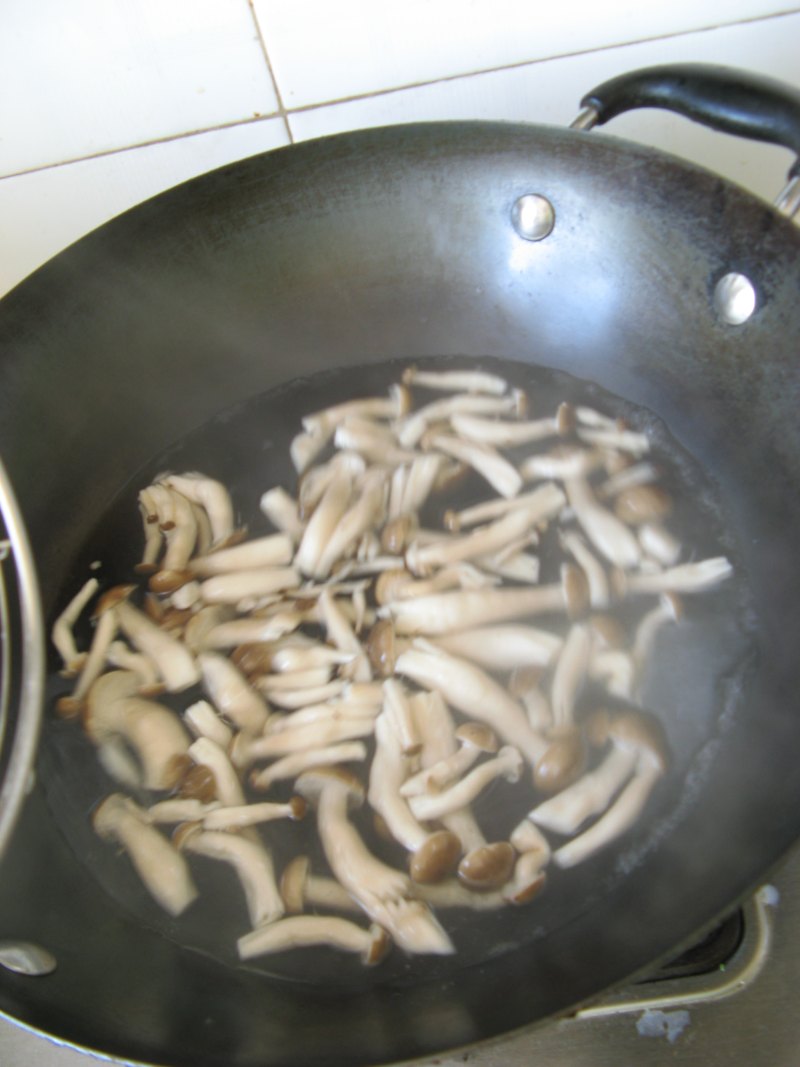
[{"x": 398, "y": 243}]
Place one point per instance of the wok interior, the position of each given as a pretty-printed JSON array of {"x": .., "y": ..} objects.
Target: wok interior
[{"x": 397, "y": 245}]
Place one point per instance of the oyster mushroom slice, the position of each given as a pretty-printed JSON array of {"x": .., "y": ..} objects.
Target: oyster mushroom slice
[
  {"x": 456, "y": 381},
  {"x": 62, "y": 635},
  {"x": 609, "y": 535},
  {"x": 251, "y": 861},
  {"x": 211, "y": 495},
  {"x": 506, "y": 764},
  {"x": 384, "y": 893},
  {"x": 302, "y": 931},
  {"x": 473, "y": 692},
  {"x": 485, "y": 461},
  {"x": 161, "y": 867},
  {"x": 434, "y": 855},
  {"x": 270, "y": 551},
  {"x": 174, "y": 661},
  {"x": 231, "y": 693},
  {"x": 296, "y": 763}
]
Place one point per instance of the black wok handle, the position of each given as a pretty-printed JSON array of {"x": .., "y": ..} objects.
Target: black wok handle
[{"x": 725, "y": 99}]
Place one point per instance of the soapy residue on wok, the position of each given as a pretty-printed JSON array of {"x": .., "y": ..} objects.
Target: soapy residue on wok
[{"x": 354, "y": 656}]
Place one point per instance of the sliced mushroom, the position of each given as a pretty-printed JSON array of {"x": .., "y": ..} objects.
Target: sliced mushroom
[
  {"x": 152, "y": 731},
  {"x": 61, "y": 633},
  {"x": 302, "y": 931},
  {"x": 160, "y": 866},
  {"x": 251, "y": 861},
  {"x": 476, "y": 694},
  {"x": 384, "y": 893}
]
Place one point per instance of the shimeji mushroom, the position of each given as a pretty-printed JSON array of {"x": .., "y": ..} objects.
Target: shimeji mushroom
[
  {"x": 639, "y": 504},
  {"x": 174, "y": 661},
  {"x": 241, "y": 815},
  {"x": 617, "y": 439},
  {"x": 474, "y": 693},
  {"x": 203, "y": 721},
  {"x": 301, "y": 889},
  {"x": 107, "y": 621},
  {"x": 292, "y": 699},
  {"x": 393, "y": 406},
  {"x": 366, "y": 512},
  {"x": 410, "y": 429},
  {"x": 161, "y": 867},
  {"x": 464, "y": 610},
  {"x": 302, "y": 931},
  {"x": 503, "y": 477},
  {"x": 475, "y": 738},
  {"x": 211, "y": 495},
  {"x": 270, "y": 551},
  {"x": 596, "y": 577},
  {"x": 341, "y": 633},
  {"x": 282, "y": 511},
  {"x": 153, "y": 536},
  {"x": 62, "y": 634},
  {"x": 234, "y": 586},
  {"x": 248, "y": 750},
  {"x": 251, "y": 861},
  {"x": 506, "y": 764},
  {"x": 175, "y": 810},
  {"x": 591, "y": 794},
  {"x": 375, "y": 443},
  {"x": 487, "y": 866},
  {"x": 433, "y": 855},
  {"x": 512, "y": 434},
  {"x": 685, "y": 578},
  {"x": 659, "y": 544},
  {"x": 227, "y": 787},
  {"x": 384, "y": 893},
  {"x": 563, "y": 462},
  {"x": 178, "y": 524},
  {"x": 153, "y": 732},
  {"x": 296, "y": 763},
  {"x": 632, "y": 731},
  {"x": 465, "y": 381},
  {"x": 609, "y": 535},
  {"x": 565, "y": 757},
  {"x": 422, "y": 476},
  {"x": 231, "y": 693},
  {"x": 502, "y": 647},
  {"x": 323, "y": 522},
  {"x": 547, "y": 499}
]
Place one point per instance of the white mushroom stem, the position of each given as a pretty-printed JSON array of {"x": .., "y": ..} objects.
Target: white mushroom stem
[
  {"x": 506, "y": 764},
  {"x": 234, "y": 818},
  {"x": 312, "y": 678},
  {"x": 375, "y": 443},
  {"x": 452, "y": 894},
  {"x": 622, "y": 440},
  {"x": 473, "y": 692},
  {"x": 384, "y": 893},
  {"x": 398, "y": 711},
  {"x": 596, "y": 577},
  {"x": 161, "y": 867},
  {"x": 305, "y": 447},
  {"x": 456, "y": 381},
  {"x": 659, "y": 544},
  {"x": 253, "y": 865},
  {"x": 365, "y": 513},
  {"x": 485, "y": 461},
  {"x": 341, "y": 633},
  {"x": 570, "y": 674},
  {"x": 181, "y": 536},
  {"x": 484, "y": 540},
  {"x": 503, "y": 647},
  {"x": 510, "y": 434},
  {"x": 281, "y": 510},
  {"x": 419, "y": 483},
  {"x": 335, "y": 711},
  {"x": 303, "y": 931},
  {"x": 186, "y": 596},
  {"x": 231, "y": 693},
  {"x": 379, "y": 407},
  {"x": 301, "y": 888},
  {"x": 175, "y": 663},
  {"x": 627, "y": 478},
  {"x": 323, "y": 523},
  {"x": 254, "y": 630},
  {"x": 467, "y": 609},
  {"x": 548, "y": 497},
  {"x": 119, "y": 655},
  {"x": 518, "y": 567},
  {"x": 615, "y": 669},
  {"x": 610, "y": 536},
  {"x": 411, "y": 429},
  {"x": 302, "y": 739},
  {"x": 270, "y": 551},
  {"x": 179, "y": 809},
  {"x": 387, "y": 773},
  {"x": 211, "y": 495},
  {"x": 595, "y": 419},
  {"x": 560, "y": 464},
  {"x": 444, "y": 771},
  {"x": 95, "y": 661},
  {"x": 62, "y": 635},
  {"x": 525, "y": 837},
  {"x": 685, "y": 578},
  {"x": 622, "y": 814},
  {"x": 235, "y": 585},
  {"x": 293, "y": 765},
  {"x": 153, "y": 536},
  {"x": 566, "y": 812},
  {"x": 203, "y": 721},
  {"x": 465, "y": 826},
  {"x": 207, "y": 753},
  {"x": 301, "y": 698},
  {"x": 435, "y": 726},
  {"x": 289, "y": 659}
]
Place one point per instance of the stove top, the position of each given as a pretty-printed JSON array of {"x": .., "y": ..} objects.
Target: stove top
[{"x": 729, "y": 1000}]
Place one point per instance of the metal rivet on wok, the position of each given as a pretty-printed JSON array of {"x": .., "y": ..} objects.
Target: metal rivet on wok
[
  {"x": 734, "y": 298},
  {"x": 533, "y": 217}
]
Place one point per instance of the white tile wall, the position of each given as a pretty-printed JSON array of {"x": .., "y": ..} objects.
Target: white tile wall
[{"x": 106, "y": 102}]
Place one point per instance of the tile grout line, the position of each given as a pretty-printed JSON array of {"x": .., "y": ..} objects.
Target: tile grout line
[
  {"x": 265, "y": 52},
  {"x": 283, "y": 113}
]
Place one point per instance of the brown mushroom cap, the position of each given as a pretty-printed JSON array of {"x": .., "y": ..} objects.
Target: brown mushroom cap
[
  {"x": 436, "y": 858},
  {"x": 381, "y": 648},
  {"x": 111, "y": 598},
  {"x": 378, "y": 946},
  {"x": 642, "y": 503},
  {"x": 311, "y": 784},
  {"x": 565, "y": 419},
  {"x": 198, "y": 783},
  {"x": 487, "y": 866},
  {"x": 253, "y": 658},
  {"x": 397, "y": 533},
  {"x": 478, "y": 735},
  {"x": 563, "y": 762},
  {"x": 389, "y": 583},
  {"x": 167, "y": 581},
  {"x": 529, "y": 889},
  {"x": 630, "y": 728}
]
